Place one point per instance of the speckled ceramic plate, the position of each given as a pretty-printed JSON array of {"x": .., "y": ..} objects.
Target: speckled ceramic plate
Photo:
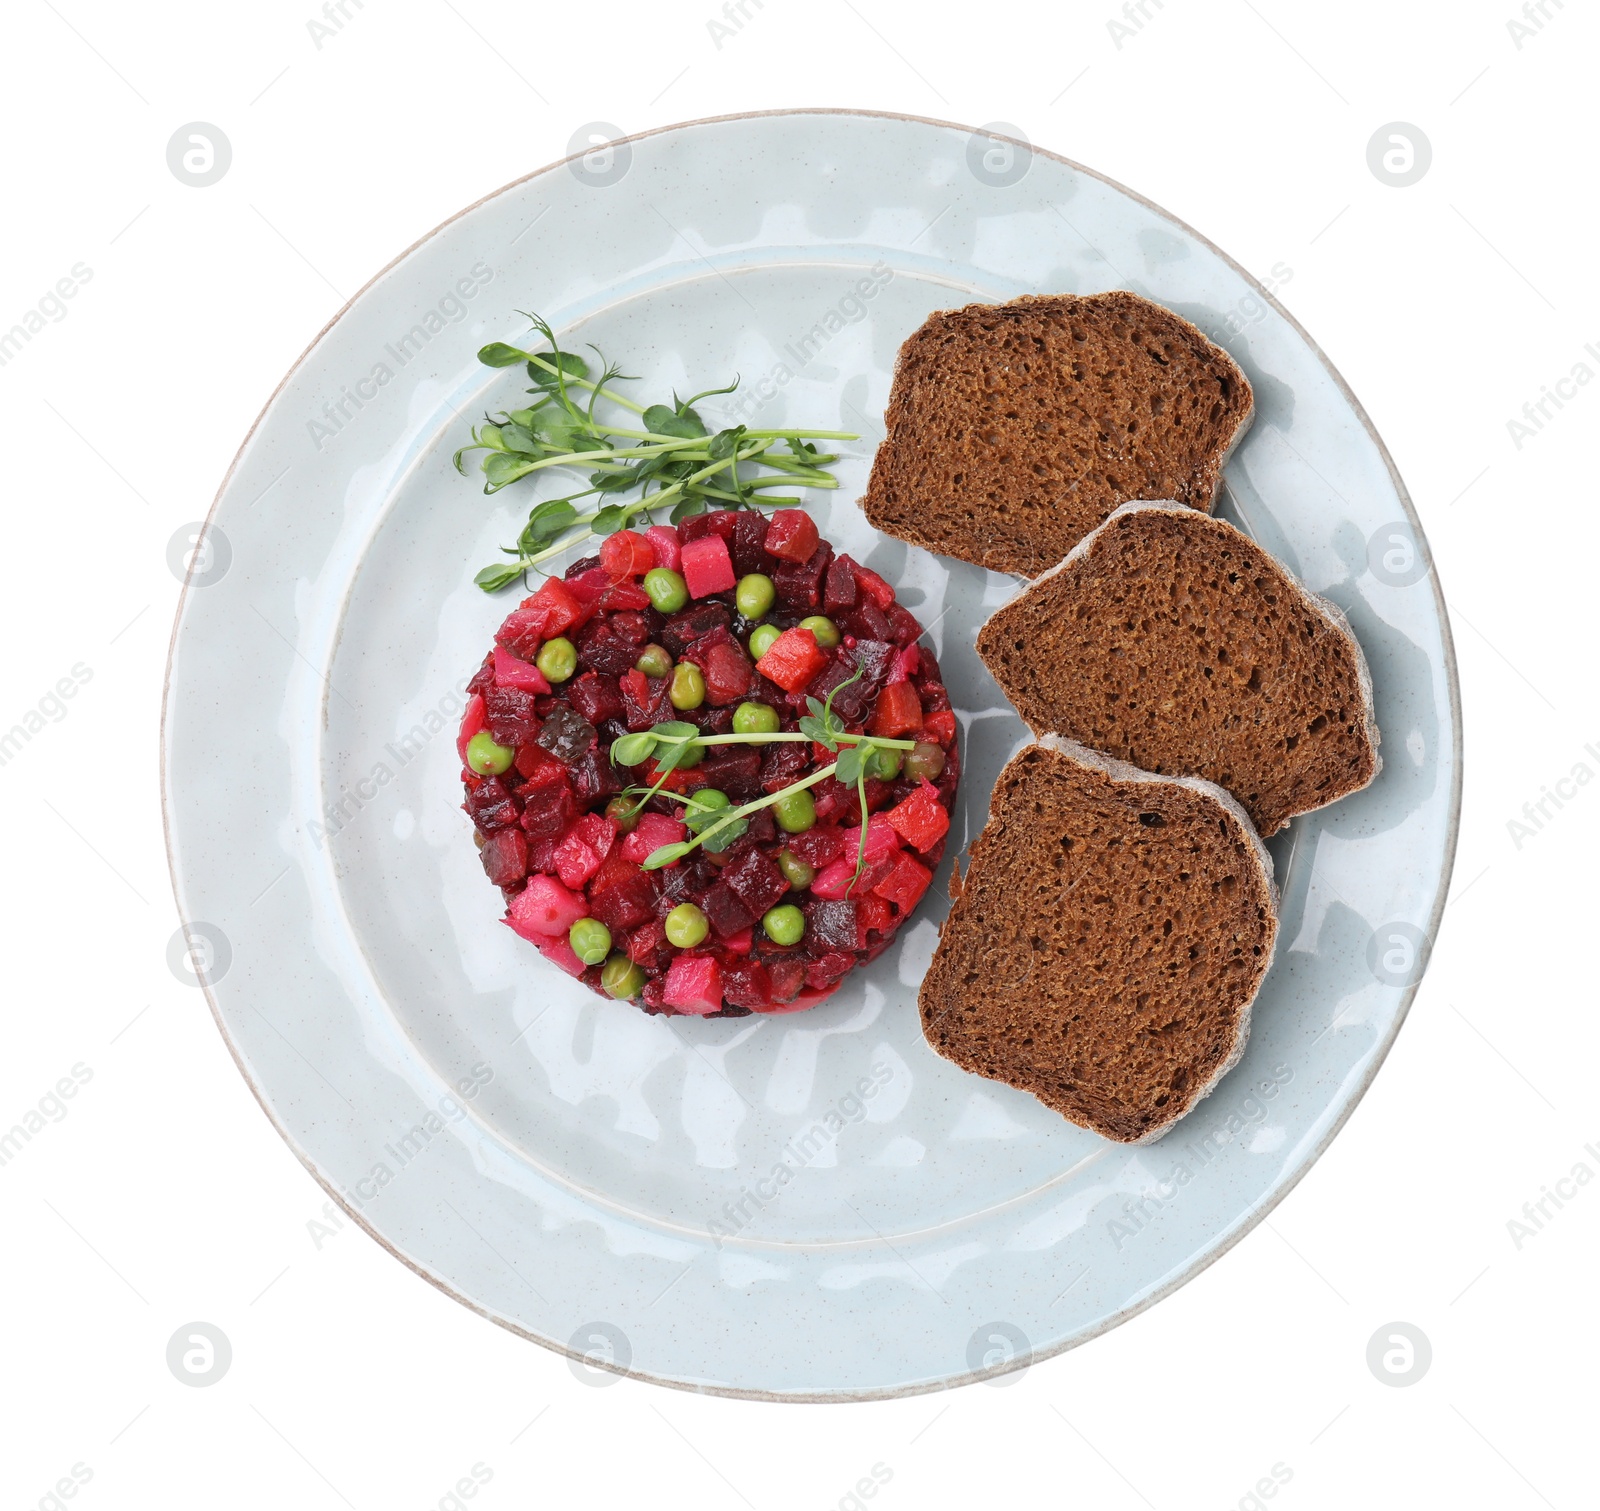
[{"x": 806, "y": 1207}]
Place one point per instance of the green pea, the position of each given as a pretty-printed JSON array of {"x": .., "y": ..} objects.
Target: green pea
[
  {"x": 784, "y": 924},
  {"x": 826, "y": 631},
  {"x": 621, "y": 977},
  {"x": 624, "y": 813},
  {"x": 711, "y": 806},
  {"x": 795, "y": 812},
  {"x": 558, "y": 659},
  {"x": 686, "y": 926},
  {"x": 688, "y": 688},
  {"x": 666, "y": 589},
  {"x": 761, "y": 638},
  {"x": 654, "y": 661},
  {"x": 485, "y": 757},
  {"x": 795, "y": 871},
  {"x": 755, "y": 719},
  {"x": 925, "y": 760},
  {"x": 590, "y": 940},
  {"x": 754, "y": 595},
  {"x": 885, "y": 764}
]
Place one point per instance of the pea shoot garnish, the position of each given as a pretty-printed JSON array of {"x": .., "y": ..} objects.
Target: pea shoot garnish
[
  {"x": 712, "y": 819},
  {"x": 667, "y": 458}
]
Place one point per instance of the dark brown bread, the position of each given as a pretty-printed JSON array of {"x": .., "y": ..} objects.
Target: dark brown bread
[
  {"x": 1110, "y": 936},
  {"x": 1014, "y": 429},
  {"x": 1171, "y": 640}
]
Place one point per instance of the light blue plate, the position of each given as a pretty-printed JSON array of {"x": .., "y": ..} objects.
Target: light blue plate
[{"x": 807, "y": 1207}]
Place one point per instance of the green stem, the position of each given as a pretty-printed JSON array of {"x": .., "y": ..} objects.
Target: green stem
[
  {"x": 734, "y": 814},
  {"x": 805, "y": 435},
  {"x": 616, "y": 398}
]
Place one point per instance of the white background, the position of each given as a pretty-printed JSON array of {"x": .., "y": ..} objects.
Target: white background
[{"x": 163, "y": 1196}]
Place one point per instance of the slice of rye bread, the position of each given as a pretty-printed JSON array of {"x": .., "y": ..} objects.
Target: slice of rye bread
[
  {"x": 1014, "y": 429},
  {"x": 1171, "y": 640},
  {"x": 1107, "y": 943}
]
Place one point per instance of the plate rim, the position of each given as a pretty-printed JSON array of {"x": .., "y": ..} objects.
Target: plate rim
[{"x": 1252, "y": 1219}]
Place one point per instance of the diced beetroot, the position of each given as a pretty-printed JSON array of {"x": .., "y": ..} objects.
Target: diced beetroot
[
  {"x": 875, "y": 588},
  {"x": 749, "y": 542},
  {"x": 542, "y": 852},
  {"x": 539, "y": 767},
  {"x": 728, "y": 915},
  {"x": 664, "y": 543},
  {"x": 834, "y": 800},
  {"x": 941, "y": 726},
  {"x": 873, "y": 914},
  {"x": 559, "y": 953},
  {"x": 747, "y": 985},
  {"x": 903, "y": 624},
  {"x": 612, "y": 643},
  {"x": 905, "y": 664},
  {"x": 621, "y": 896},
  {"x": 839, "y": 586},
  {"x": 626, "y": 594},
  {"x": 645, "y": 700},
  {"x": 548, "y": 810},
  {"x": 597, "y": 832},
  {"x": 866, "y": 621},
  {"x": 684, "y": 628},
  {"x": 491, "y": 805},
  {"x": 596, "y": 696},
  {"x": 819, "y": 845},
  {"x": 512, "y": 720},
  {"x": 742, "y": 942},
  {"x": 787, "y": 974},
  {"x": 792, "y": 660},
  {"x": 733, "y": 769},
  {"x": 647, "y": 941},
  {"x": 544, "y": 909},
  {"x": 838, "y": 880},
  {"x": 728, "y": 674},
  {"x": 505, "y": 857},
  {"x": 757, "y": 881},
  {"x": 723, "y": 523},
  {"x": 798, "y": 585},
  {"x": 905, "y": 884},
  {"x": 566, "y": 734},
  {"x": 626, "y": 554},
  {"x": 898, "y": 712},
  {"x": 587, "y": 584},
  {"x": 882, "y": 837},
  {"x": 934, "y": 697},
  {"x": 653, "y": 831},
  {"x": 552, "y": 611},
  {"x": 792, "y": 535},
  {"x": 707, "y": 567},
  {"x": 833, "y": 879},
  {"x": 827, "y": 969},
  {"x": 694, "y": 985},
  {"x": 511, "y": 672},
  {"x": 852, "y": 698},
  {"x": 482, "y": 679},
  {"x": 575, "y": 861},
  {"x": 921, "y": 819},
  {"x": 782, "y": 765},
  {"x": 471, "y": 722}
]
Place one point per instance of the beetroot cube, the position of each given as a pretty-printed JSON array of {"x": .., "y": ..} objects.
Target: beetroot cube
[
  {"x": 793, "y": 659},
  {"x": 539, "y": 767},
  {"x": 758, "y": 883},
  {"x": 903, "y": 624},
  {"x": 831, "y": 924},
  {"x": 792, "y": 535},
  {"x": 542, "y": 852},
  {"x": 763, "y": 828},
  {"x": 839, "y": 586},
  {"x": 853, "y": 700},
  {"x": 739, "y": 944},
  {"x": 626, "y": 553},
  {"x": 566, "y": 734},
  {"x": 786, "y": 975},
  {"x": 921, "y": 819},
  {"x": 781, "y": 765},
  {"x": 827, "y": 969},
  {"x": 799, "y": 584},
  {"x": 544, "y": 909},
  {"x": 510, "y": 715},
  {"x": 510, "y": 672},
  {"x": 484, "y": 678},
  {"x": 560, "y": 954},
  {"x": 596, "y": 696},
  {"x": 747, "y": 984},
  {"x": 612, "y": 644},
  {"x": 905, "y": 884},
  {"x": 547, "y": 810},
  {"x": 707, "y": 566},
  {"x": 491, "y": 805},
  {"x": 750, "y": 542},
  {"x": 694, "y": 985},
  {"x": 735, "y": 770},
  {"x": 646, "y": 701},
  {"x": 834, "y": 800},
  {"x": 575, "y": 861},
  {"x": 621, "y": 898},
  {"x": 684, "y": 628},
  {"x": 624, "y": 595},
  {"x": 906, "y": 664},
  {"x": 597, "y": 832},
  {"x": 548, "y": 613},
  {"x": 653, "y": 831},
  {"x": 728, "y": 674},
  {"x": 664, "y": 542},
  {"x": 587, "y": 581},
  {"x": 505, "y": 857},
  {"x": 873, "y": 915},
  {"x": 819, "y": 845},
  {"x": 866, "y": 621},
  {"x": 898, "y": 712},
  {"x": 647, "y": 941},
  {"x": 727, "y": 914},
  {"x": 872, "y": 585}
]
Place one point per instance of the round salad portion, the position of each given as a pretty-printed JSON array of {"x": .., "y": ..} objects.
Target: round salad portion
[{"x": 711, "y": 769}]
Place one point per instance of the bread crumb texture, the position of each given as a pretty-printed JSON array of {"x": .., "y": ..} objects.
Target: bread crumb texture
[
  {"x": 1173, "y": 642},
  {"x": 1014, "y": 429},
  {"x": 1109, "y": 939}
]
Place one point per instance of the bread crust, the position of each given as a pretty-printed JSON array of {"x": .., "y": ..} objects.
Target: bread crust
[
  {"x": 941, "y": 981},
  {"x": 1087, "y": 464}
]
